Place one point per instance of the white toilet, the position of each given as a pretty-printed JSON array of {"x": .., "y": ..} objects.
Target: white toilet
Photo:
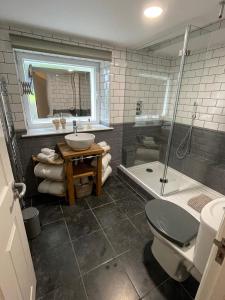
[{"x": 182, "y": 243}]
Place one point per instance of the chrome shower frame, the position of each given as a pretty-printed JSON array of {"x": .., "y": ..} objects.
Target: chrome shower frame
[{"x": 179, "y": 82}]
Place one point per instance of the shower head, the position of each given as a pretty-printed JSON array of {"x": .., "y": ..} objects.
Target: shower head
[{"x": 222, "y": 4}]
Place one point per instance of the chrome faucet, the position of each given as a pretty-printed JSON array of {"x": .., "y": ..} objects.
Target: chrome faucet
[{"x": 75, "y": 126}]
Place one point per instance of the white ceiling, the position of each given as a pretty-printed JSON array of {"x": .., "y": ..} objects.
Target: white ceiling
[{"x": 119, "y": 22}]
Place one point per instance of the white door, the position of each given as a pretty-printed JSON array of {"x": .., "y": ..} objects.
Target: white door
[
  {"x": 212, "y": 286},
  {"x": 17, "y": 277}
]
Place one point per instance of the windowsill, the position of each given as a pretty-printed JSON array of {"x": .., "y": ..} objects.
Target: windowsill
[{"x": 52, "y": 131}]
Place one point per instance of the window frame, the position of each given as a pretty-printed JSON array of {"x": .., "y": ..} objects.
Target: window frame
[{"x": 75, "y": 63}]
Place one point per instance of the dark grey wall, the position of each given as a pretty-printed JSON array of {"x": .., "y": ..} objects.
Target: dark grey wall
[
  {"x": 132, "y": 140},
  {"x": 206, "y": 161},
  {"x": 33, "y": 145}
]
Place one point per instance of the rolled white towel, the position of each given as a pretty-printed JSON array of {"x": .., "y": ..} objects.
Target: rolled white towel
[
  {"x": 106, "y": 174},
  {"x": 53, "y": 172},
  {"x": 102, "y": 144},
  {"x": 106, "y": 148},
  {"x": 51, "y": 187},
  {"x": 105, "y": 161},
  {"x": 47, "y": 158},
  {"x": 47, "y": 151}
]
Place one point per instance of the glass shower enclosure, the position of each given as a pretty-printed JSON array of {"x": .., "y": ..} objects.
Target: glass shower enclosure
[{"x": 162, "y": 96}]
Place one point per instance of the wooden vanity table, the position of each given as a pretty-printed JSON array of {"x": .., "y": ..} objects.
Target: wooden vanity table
[{"x": 74, "y": 172}]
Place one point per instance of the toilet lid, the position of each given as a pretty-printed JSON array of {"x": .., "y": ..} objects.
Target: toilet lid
[{"x": 172, "y": 221}]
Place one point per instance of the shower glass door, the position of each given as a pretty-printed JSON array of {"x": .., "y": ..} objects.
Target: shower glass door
[
  {"x": 192, "y": 109},
  {"x": 150, "y": 89}
]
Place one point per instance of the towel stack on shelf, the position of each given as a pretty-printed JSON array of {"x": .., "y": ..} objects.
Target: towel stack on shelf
[
  {"x": 106, "y": 158},
  {"x": 50, "y": 168},
  {"x": 47, "y": 156}
]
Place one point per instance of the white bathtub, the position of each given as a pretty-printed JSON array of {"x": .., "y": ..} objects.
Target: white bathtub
[{"x": 179, "y": 189}]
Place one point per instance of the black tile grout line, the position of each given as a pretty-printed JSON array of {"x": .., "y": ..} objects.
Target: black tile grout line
[
  {"x": 107, "y": 193},
  {"x": 52, "y": 222},
  {"x": 75, "y": 256},
  {"x": 103, "y": 232},
  {"x": 127, "y": 272},
  {"x": 189, "y": 295},
  {"x": 105, "y": 262},
  {"x": 187, "y": 292},
  {"x": 139, "y": 213},
  {"x": 88, "y": 234},
  {"x": 124, "y": 181},
  {"x": 156, "y": 287},
  {"x": 111, "y": 196},
  {"x": 129, "y": 219},
  {"x": 104, "y": 204},
  {"x": 121, "y": 198},
  {"x": 116, "y": 253},
  {"x": 136, "y": 192},
  {"x": 133, "y": 189}
]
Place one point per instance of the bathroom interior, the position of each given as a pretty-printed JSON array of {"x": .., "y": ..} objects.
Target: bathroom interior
[{"x": 113, "y": 153}]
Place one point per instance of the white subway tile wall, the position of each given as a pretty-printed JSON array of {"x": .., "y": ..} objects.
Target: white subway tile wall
[
  {"x": 137, "y": 76},
  {"x": 204, "y": 83},
  {"x": 147, "y": 79},
  {"x": 112, "y": 76},
  {"x": 61, "y": 95}
]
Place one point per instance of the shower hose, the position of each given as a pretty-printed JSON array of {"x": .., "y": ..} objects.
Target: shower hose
[{"x": 185, "y": 146}]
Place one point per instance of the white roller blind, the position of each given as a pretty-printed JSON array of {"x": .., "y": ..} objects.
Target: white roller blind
[{"x": 28, "y": 43}]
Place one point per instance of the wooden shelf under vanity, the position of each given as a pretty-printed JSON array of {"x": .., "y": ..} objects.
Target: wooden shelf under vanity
[
  {"x": 80, "y": 170},
  {"x": 83, "y": 170}
]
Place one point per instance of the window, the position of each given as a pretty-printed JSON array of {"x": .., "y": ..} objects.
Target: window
[{"x": 55, "y": 86}]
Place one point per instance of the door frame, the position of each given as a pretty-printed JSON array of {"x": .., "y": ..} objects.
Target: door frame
[{"x": 212, "y": 285}]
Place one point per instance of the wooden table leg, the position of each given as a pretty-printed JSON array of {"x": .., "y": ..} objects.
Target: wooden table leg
[
  {"x": 99, "y": 176},
  {"x": 69, "y": 181}
]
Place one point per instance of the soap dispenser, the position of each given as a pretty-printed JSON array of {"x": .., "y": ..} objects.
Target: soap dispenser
[{"x": 89, "y": 124}]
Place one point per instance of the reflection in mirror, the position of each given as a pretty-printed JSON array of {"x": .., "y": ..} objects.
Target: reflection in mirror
[{"x": 60, "y": 91}]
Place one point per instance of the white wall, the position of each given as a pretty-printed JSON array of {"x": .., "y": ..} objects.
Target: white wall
[
  {"x": 60, "y": 92},
  {"x": 203, "y": 82},
  {"x": 145, "y": 81},
  {"x": 121, "y": 85},
  {"x": 8, "y": 70}
]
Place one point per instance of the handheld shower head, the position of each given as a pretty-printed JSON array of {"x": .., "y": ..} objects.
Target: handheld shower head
[{"x": 222, "y": 4}]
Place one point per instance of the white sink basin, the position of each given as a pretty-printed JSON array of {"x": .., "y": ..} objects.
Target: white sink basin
[
  {"x": 80, "y": 141},
  {"x": 212, "y": 213},
  {"x": 210, "y": 219}
]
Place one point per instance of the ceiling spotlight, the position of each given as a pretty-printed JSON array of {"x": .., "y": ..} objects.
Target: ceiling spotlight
[{"x": 153, "y": 12}]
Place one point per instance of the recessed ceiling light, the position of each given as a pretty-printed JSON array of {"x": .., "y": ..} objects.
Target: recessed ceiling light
[{"x": 153, "y": 12}]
